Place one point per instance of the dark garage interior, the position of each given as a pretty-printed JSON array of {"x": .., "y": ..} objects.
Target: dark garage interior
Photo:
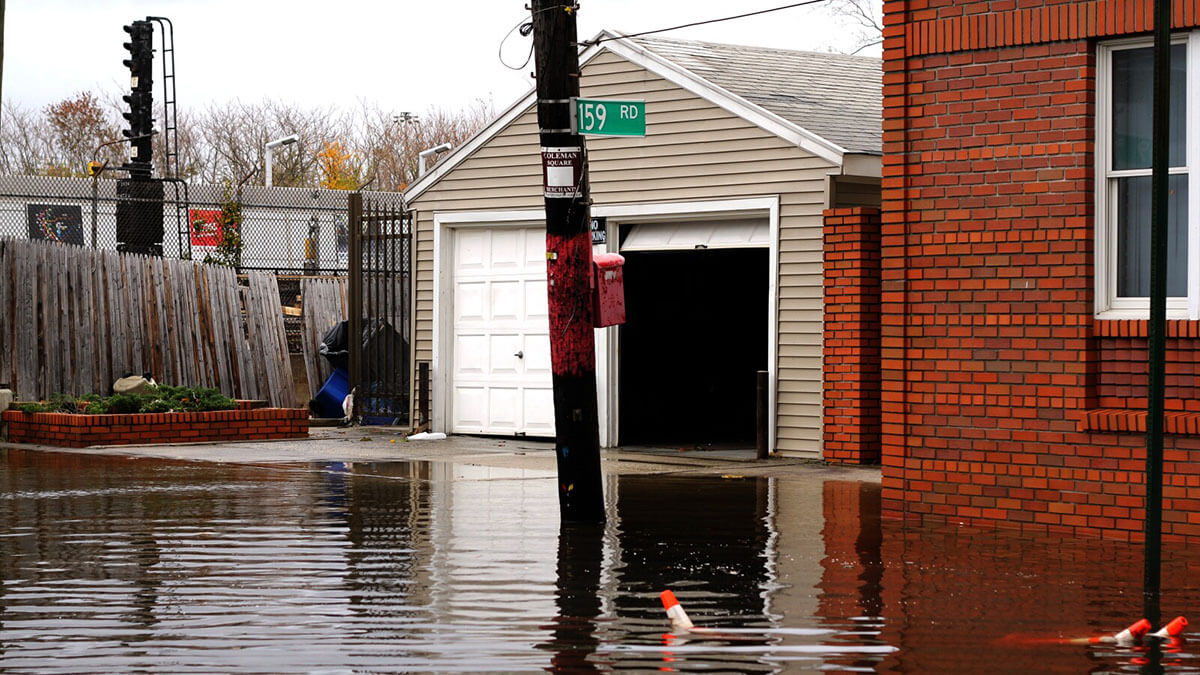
[{"x": 694, "y": 338}]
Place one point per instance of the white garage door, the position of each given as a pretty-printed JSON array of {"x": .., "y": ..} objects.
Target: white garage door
[{"x": 501, "y": 360}]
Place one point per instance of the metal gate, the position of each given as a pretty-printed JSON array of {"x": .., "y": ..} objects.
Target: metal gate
[{"x": 381, "y": 283}]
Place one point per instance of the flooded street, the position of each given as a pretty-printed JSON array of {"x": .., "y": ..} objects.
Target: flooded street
[{"x": 113, "y": 564}]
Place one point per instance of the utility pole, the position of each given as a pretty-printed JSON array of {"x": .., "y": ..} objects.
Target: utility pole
[{"x": 568, "y": 265}]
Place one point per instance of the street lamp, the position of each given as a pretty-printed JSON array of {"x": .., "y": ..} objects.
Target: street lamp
[
  {"x": 277, "y": 143},
  {"x": 431, "y": 151},
  {"x": 403, "y": 120}
]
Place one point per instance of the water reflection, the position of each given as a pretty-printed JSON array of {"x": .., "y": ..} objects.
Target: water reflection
[{"x": 117, "y": 565}]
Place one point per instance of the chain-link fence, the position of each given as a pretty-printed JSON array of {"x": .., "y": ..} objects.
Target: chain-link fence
[{"x": 291, "y": 231}]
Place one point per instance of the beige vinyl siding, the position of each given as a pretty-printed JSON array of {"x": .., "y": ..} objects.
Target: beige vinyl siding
[{"x": 693, "y": 150}]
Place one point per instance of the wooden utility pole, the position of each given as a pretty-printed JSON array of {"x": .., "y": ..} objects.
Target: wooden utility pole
[{"x": 568, "y": 265}]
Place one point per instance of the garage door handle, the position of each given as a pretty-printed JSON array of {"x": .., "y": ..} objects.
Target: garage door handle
[{"x": 519, "y": 355}]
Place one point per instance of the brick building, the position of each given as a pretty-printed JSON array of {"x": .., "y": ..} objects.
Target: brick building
[{"x": 986, "y": 334}]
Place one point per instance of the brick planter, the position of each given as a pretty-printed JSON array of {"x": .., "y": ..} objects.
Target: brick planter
[{"x": 78, "y": 431}]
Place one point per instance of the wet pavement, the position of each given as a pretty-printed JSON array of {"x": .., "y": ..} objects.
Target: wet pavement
[{"x": 340, "y": 554}]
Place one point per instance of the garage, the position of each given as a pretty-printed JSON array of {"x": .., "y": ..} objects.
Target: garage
[{"x": 718, "y": 212}]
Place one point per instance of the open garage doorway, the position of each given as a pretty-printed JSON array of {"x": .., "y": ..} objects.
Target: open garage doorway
[{"x": 696, "y": 334}]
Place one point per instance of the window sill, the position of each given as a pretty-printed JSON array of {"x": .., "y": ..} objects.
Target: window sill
[
  {"x": 1176, "y": 328},
  {"x": 1134, "y": 421}
]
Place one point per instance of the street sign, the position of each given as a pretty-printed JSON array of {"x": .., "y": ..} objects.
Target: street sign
[
  {"x": 602, "y": 117},
  {"x": 599, "y": 231}
]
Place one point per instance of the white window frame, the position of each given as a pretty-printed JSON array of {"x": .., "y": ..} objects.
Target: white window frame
[{"x": 1108, "y": 305}]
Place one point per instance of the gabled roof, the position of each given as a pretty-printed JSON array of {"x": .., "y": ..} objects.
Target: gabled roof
[
  {"x": 828, "y": 104},
  {"x": 835, "y": 96}
]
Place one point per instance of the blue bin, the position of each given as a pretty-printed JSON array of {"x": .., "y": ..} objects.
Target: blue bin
[{"x": 328, "y": 402}]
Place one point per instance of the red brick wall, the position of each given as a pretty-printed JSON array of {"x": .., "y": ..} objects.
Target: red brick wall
[
  {"x": 990, "y": 357},
  {"x": 78, "y": 431},
  {"x": 851, "y": 351}
]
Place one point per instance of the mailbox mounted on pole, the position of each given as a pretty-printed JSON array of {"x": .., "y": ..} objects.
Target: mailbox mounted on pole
[{"x": 602, "y": 117}]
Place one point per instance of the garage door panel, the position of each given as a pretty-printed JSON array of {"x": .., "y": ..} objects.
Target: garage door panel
[
  {"x": 504, "y": 359},
  {"x": 471, "y": 251},
  {"x": 470, "y": 355},
  {"x": 508, "y": 251},
  {"x": 539, "y": 411},
  {"x": 470, "y": 407},
  {"x": 535, "y": 251},
  {"x": 537, "y": 355},
  {"x": 508, "y": 300},
  {"x": 469, "y": 301},
  {"x": 504, "y": 414},
  {"x": 537, "y": 304}
]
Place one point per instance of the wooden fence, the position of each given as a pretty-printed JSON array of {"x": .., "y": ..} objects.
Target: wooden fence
[
  {"x": 324, "y": 303},
  {"x": 73, "y": 320}
]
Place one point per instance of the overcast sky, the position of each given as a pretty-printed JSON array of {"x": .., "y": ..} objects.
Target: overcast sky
[{"x": 399, "y": 54}]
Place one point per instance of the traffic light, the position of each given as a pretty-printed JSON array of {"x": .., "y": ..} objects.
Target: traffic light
[
  {"x": 140, "y": 197},
  {"x": 140, "y": 97}
]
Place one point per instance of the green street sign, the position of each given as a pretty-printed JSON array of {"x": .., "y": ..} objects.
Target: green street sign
[{"x": 602, "y": 117}]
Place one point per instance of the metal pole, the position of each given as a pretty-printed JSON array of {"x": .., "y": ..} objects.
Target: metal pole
[
  {"x": 95, "y": 199},
  {"x": 268, "y": 165},
  {"x": 1158, "y": 309},
  {"x": 354, "y": 264},
  {"x": 568, "y": 265}
]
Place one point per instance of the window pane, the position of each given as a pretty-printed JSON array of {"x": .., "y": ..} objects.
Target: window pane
[
  {"x": 1133, "y": 102},
  {"x": 1133, "y": 237}
]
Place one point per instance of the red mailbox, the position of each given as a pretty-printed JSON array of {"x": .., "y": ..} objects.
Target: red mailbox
[{"x": 608, "y": 289}]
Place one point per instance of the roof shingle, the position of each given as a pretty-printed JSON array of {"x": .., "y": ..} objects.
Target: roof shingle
[{"x": 835, "y": 96}]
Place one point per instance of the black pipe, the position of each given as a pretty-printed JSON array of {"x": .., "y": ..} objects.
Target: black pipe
[{"x": 1158, "y": 309}]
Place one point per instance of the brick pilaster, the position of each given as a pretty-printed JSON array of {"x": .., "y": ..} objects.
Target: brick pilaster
[{"x": 851, "y": 419}]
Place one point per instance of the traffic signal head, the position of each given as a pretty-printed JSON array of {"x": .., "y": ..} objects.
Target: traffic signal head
[
  {"x": 141, "y": 55},
  {"x": 140, "y": 98}
]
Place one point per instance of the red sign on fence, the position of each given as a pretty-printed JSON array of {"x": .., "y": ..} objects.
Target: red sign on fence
[{"x": 206, "y": 226}]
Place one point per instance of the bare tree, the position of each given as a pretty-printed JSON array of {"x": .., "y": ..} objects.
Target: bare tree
[
  {"x": 392, "y": 142},
  {"x": 866, "y": 16},
  {"x": 226, "y": 143},
  {"x": 238, "y": 133},
  {"x": 24, "y": 141},
  {"x": 59, "y": 140}
]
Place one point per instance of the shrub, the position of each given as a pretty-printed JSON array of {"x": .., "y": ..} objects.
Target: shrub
[{"x": 164, "y": 398}]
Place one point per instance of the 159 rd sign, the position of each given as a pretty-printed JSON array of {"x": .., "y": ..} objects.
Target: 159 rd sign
[{"x": 602, "y": 117}]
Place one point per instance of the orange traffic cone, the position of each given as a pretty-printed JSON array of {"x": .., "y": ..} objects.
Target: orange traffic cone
[
  {"x": 1126, "y": 637},
  {"x": 1172, "y": 629},
  {"x": 679, "y": 618}
]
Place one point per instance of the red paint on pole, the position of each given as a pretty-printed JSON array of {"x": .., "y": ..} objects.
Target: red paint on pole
[{"x": 568, "y": 279}]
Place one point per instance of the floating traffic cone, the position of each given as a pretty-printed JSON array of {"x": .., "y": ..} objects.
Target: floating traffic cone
[
  {"x": 679, "y": 618},
  {"x": 1126, "y": 637},
  {"x": 1172, "y": 629}
]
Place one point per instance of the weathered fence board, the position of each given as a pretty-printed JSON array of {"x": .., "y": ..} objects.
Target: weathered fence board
[
  {"x": 72, "y": 320},
  {"x": 264, "y": 320},
  {"x": 24, "y": 271},
  {"x": 324, "y": 305}
]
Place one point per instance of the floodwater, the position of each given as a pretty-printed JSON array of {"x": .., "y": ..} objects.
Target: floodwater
[{"x": 143, "y": 565}]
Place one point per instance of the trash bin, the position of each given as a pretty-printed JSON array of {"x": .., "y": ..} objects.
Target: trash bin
[{"x": 328, "y": 402}]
